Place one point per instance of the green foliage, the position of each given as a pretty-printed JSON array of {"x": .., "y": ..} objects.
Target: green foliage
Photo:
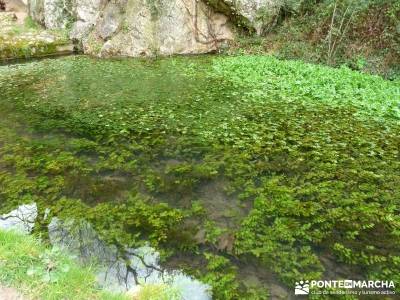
[
  {"x": 158, "y": 292},
  {"x": 306, "y": 156},
  {"x": 129, "y": 223},
  {"x": 267, "y": 77},
  {"x": 277, "y": 231},
  {"x": 154, "y": 221},
  {"x": 334, "y": 32},
  {"x": 222, "y": 277},
  {"x": 213, "y": 232},
  {"x": 30, "y": 23}
]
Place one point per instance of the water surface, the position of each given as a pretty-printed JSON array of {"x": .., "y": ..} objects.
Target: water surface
[{"x": 176, "y": 153}]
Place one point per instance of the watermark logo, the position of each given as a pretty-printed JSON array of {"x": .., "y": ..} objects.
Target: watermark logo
[
  {"x": 345, "y": 287},
  {"x": 302, "y": 287}
]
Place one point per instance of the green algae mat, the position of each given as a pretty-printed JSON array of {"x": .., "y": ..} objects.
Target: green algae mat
[{"x": 247, "y": 172}]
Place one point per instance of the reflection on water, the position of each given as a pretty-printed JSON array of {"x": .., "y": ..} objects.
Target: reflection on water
[{"x": 115, "y": 272}]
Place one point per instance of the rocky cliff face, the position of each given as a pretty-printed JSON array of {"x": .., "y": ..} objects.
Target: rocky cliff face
[
  {"x": 252, "y": 15},
  {"x": 149, "y": 27},
  {"x": 136, "y": 27}
]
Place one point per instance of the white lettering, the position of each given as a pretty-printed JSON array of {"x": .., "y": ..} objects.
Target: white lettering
[
  {"x": 352, "y": 284},
  {"x": 313, "y": 283}
]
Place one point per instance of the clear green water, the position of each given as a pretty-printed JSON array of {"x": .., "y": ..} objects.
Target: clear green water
[{"x": 239, "y": 166}]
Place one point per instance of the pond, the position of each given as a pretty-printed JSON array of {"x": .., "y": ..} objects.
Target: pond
[{"x": 249, "y": 173}]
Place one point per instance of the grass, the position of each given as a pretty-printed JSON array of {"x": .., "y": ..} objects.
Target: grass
[
  {"x": 29, "y": 23},
  {"x": 45, "y": 273}
]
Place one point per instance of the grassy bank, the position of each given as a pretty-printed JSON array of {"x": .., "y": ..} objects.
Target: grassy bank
[{"x": 40, "y": 272}]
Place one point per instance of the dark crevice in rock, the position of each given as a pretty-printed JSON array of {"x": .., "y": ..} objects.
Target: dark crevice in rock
[{"x": 228, "y": 9}]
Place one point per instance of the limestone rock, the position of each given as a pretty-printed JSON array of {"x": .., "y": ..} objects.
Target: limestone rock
[
  {"x": 7, "y": 18},
  {"x": 251, "y": 15},
  {"x": 257, "y": 12},
  {"x": 156, "y": 27},
  {"x": 137, "y": 27},
  {"x": 53, "y": 14}
]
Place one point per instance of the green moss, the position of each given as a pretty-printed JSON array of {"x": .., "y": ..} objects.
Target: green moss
[
  {"x": 25, "y": 41},
  {"x": 94, "y": 44},
  {"x": 155, "y": 7},
  {"x": 27, "y": 49},
  {"x": 29, "y": 23}
]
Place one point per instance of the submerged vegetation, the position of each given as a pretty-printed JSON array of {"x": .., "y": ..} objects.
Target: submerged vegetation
[{"x": 234, "y": 167}]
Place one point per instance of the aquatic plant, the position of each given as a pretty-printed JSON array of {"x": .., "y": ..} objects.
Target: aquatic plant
[{"x": 291, "y": 164}]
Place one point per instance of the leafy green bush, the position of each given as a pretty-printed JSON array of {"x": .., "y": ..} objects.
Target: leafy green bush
[{"x": 334, "y": 32}]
